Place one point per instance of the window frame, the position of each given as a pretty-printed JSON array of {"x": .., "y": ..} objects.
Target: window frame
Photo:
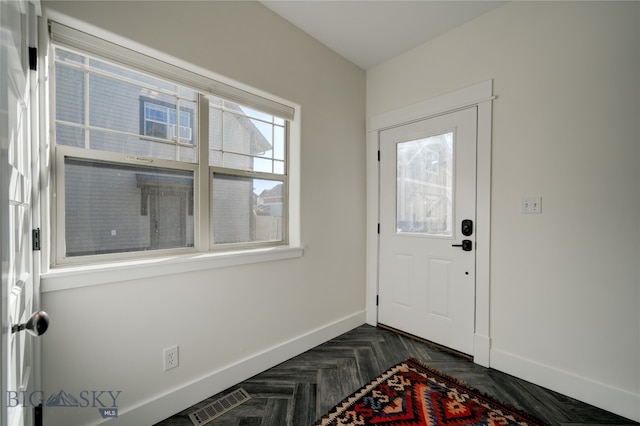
[{"x": 203, "y": 178}]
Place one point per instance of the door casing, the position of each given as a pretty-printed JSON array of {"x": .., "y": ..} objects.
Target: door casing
[{"x": 480, "y": 95}]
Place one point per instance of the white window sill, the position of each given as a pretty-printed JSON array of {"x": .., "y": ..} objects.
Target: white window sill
[{"x": 65, "y": 278}]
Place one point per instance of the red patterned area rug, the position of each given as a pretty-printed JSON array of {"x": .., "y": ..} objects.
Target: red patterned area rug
[{"x": 412, "y": 394}]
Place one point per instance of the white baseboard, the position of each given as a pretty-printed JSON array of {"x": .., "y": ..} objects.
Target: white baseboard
[
  {"x": 160, "y": 407},
  {"x": 481, "y": 349},
  {"x": 598, "y": 394}
]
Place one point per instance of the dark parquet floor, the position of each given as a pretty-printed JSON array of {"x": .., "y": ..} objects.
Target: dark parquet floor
[{"x": 302, "y": 389}]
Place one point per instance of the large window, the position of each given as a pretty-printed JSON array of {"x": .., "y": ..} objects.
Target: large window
[{"x": 131, "y": 150}]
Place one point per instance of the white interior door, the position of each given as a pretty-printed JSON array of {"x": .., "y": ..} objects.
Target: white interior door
[
  {"x": 426, "y": 264},
  {"x": 18, "y": 130}
]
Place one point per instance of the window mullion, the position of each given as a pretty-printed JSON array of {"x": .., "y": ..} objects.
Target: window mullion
[{"x": 203, "y": 186}]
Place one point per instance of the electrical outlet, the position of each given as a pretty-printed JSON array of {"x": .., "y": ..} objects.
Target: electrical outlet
[{"x": 170, "y": 357}]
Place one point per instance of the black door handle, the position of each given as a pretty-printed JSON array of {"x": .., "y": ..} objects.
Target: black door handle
[{"x": 466, "y": 245}]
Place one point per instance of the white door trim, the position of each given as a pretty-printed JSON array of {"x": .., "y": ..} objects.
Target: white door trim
[{"x": 480, "y": 95}]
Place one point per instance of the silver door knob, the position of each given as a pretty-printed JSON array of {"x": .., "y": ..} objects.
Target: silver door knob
[{"x": 36, "y": 325}]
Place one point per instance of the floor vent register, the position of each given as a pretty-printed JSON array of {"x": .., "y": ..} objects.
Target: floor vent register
[{"x": 218, "y": 407}]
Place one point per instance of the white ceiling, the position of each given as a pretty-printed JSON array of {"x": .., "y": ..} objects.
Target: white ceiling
[{"x": 369, "y": 32}]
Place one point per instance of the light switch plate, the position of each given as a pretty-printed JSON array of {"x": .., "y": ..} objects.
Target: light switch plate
[{"x": 531, "y": 205}]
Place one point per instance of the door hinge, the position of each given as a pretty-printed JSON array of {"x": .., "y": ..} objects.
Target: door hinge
[
  {"x": 377, "y": 300},
  {"x": 35, "y": 239},
  {"x": 378, "y": 155},
  {"x": 33, "y": 58},
  {"x": 378, "y": 228}
]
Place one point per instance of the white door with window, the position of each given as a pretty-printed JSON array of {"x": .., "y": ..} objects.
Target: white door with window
[
  {"x": 427, "y": 235},
  {"x": 18, "y": 131}
]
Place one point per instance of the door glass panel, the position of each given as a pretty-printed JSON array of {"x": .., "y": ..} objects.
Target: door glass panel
[{"x": 425, "y": 185}]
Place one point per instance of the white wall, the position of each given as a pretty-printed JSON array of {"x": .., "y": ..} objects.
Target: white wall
[
  {"x": 111, "y": 336},
  {"x": 564, "y": 284}
]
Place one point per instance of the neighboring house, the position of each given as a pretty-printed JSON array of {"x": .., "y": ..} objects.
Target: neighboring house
[{"x": 269, "y": 202}]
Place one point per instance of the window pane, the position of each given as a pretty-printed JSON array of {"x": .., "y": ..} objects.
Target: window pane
[
  {"x": 235, "y": 161},
  {"x": 278, "y": 143},
  {"x": 112, "y": 208},
  {"x": 133, "y": 76},
  {"x": 246, "y": 209},
  {"x": 241, "y": 135},
  {"x": 186, "y": 93},
  {"x": 215, "y": 158},
  {"x": 246, "y": 136},
  {"x": 249, "y": 111},
  {"x": 425, "y": 182},
  {"x": 215, "y": 130},
  {"x": 114, "y": 104},
  {"x": 133, "y": 107},
  {"x": 188, "y": 122},
  {"x": 107, "y": 141},
  {"x": 69, "y": 94},
  {"x": 262, "y": 165},
  {"x": 188, "y": 154},
  {"x": 265, "y": 133},
  {"x": 246, "y": 139},
  {"x": 70, "y": 57},
  {"x": 278, "y": 168},
  {"x": 70, "y": 135}
]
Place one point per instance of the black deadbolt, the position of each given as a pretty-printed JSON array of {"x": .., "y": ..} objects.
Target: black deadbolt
[{"x": 467, "y": 227}]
